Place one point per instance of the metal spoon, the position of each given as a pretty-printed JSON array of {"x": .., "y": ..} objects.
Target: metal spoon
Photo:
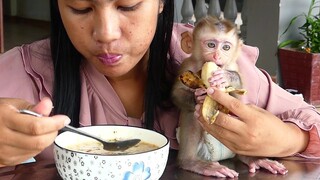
[{"x": 110, "y": 146}]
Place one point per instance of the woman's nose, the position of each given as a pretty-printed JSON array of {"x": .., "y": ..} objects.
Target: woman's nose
[{"x": 107, "y": 28}]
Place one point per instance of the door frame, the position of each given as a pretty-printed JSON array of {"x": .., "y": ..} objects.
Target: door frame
[{"x": 1, "y": 28}]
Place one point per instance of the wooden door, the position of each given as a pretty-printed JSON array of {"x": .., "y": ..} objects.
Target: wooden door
[{"x": 1, "y": 28}]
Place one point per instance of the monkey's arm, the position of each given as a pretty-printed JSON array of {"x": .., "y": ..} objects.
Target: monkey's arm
[
  {"x": 234, "y": 79},
  {"x": 226, "y": 78},
  {"x": 183, "y": 97}
]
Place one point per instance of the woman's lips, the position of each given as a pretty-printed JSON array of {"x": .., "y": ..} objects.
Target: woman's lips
[{"x": 109, "y": 59}]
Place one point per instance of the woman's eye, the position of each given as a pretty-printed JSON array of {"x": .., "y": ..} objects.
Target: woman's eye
[
  {"x": 81, "y": 11},
  {"x": 126, "y": 8},
  {"x": 129, "y": 8},
  {"x": 211, "y": 45},
  {"x": 226, "y": 47}
]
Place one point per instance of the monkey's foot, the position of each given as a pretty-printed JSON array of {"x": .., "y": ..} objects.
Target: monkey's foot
[
  {"x": 271, "y": 165},
  {"x": 209, "y": 169}
]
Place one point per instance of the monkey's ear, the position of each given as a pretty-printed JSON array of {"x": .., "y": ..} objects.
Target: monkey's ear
[
  {"x": 186, "y": 42},
  {"x": 161, "y": 5},
  {"x": 241, "y": 42}
]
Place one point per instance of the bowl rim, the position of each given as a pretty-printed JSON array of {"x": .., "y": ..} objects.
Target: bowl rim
[{"x": 96, "y": 154}]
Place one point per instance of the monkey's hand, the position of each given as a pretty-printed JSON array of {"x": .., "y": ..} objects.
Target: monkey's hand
[
  {"x": 211, "y": 108},
  {"x": 256, "y": 163},
  {"x": 208, "y": 168},
  {"x": 200, "y": 94},
  {"x": 222, "y": 78}
]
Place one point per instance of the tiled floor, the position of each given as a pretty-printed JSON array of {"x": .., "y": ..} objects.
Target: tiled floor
[{"x": 19, "y": 31}]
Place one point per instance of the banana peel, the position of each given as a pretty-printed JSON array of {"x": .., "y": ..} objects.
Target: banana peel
[
  {"x": 191, "y": 80},
  {"x": 210, "y": 108}
]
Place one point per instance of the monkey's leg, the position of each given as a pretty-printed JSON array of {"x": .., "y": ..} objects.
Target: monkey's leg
[
  {"x": 189, "y": 137},
  {"x": 256, "y": 163},
  {"x": 190, "y": 140}
]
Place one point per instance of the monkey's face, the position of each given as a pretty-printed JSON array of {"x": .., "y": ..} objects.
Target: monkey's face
[{"x": 218, "y": 47}]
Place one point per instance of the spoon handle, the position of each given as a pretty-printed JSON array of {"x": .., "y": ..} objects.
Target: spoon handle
[
  {"x": 66, "y": 128},
  {"x": 78, "y": 131}
]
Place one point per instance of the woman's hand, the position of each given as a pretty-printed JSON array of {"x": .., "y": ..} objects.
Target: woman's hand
[
  {"x": 23, "y": 136},
  {"x": 252, "y": 131}
]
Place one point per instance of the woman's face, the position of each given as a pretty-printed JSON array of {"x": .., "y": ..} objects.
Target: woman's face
[{"x": 113, "y": 35}]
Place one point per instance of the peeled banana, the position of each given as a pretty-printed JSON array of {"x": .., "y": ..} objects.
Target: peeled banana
[
  {"x": 210, "y": 108},
  {"x": 206, "y": 71}
]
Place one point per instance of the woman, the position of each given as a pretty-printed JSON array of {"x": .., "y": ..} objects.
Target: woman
[
  {"x": 126, "y": 76},
  {"x": 105, "y": 63}
]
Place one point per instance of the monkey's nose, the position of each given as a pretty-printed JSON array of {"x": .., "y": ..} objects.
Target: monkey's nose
[{"x": 215, "y": 57}]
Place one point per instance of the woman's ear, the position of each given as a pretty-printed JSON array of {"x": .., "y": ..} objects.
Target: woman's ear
[{"x": 161, "y": 5}]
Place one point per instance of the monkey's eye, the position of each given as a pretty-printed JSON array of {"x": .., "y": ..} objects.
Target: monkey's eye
[
  {"x": 211, "y": 45},
  {"x": 226, "y": 47}
]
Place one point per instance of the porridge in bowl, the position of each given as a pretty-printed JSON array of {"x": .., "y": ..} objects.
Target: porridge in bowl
[
  {"x": 74, "y": 164},
  {"x": 94, "y": 147}
]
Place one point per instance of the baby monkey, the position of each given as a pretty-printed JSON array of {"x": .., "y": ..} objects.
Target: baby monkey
[{"x": 217, "y": 41}]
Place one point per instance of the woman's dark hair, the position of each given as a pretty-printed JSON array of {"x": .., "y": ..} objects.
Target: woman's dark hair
[{"x": 66, "y": 61}]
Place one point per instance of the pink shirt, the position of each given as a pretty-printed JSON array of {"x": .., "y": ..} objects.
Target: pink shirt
[{"x": 30, "y": 67}]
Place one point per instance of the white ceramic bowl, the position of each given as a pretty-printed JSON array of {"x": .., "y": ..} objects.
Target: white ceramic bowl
[{"x": 79, "y": 165}]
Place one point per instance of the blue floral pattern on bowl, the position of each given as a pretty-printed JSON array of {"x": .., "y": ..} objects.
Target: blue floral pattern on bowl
[{"x": 138, "y": 172}]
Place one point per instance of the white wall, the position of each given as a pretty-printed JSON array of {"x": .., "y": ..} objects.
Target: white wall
[
  {"x": 288, "y": 10},
  {"x": 10, "y": 7},
  {"x": 262, "y": 31},
  {"x": 268, "y": 20},
  {"x": 31, "y": 9}
]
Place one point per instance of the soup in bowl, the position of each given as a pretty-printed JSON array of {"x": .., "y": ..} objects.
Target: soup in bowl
[{"x": 80, "y": 157}]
